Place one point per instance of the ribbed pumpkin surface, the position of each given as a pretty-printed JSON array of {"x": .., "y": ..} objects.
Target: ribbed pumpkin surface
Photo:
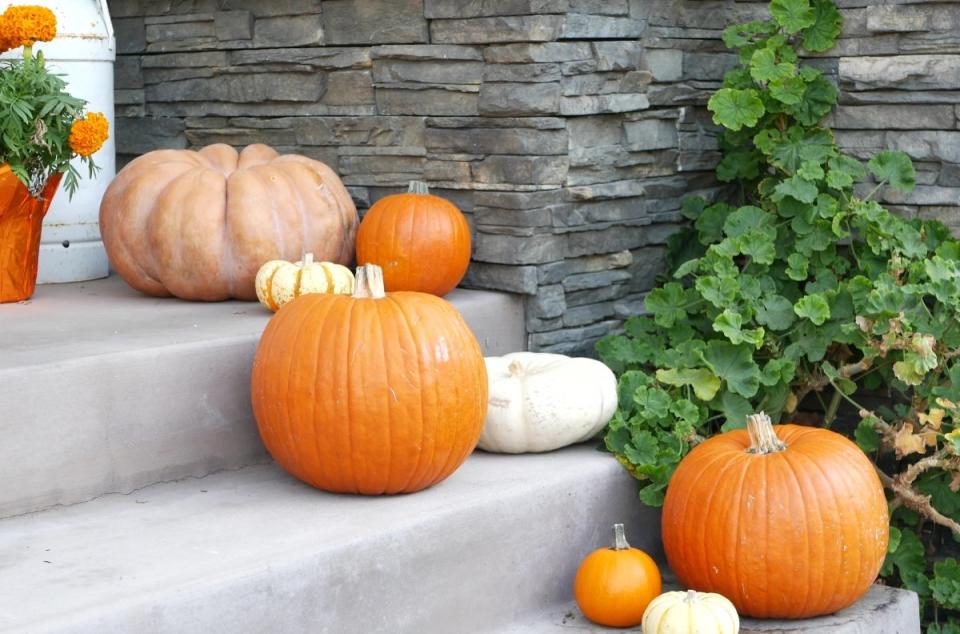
[
  {"x": 421, "y": 241},
  {"x": 791, "y": 534},
  {"x": 363, "y": 395}
]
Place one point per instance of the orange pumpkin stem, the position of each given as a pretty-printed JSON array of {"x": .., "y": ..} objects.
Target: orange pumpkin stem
[
  {"x": 418, "y": 187},
  {"x": 369, "y": 282},
  {"x": 763, "y": 439},
  {"x": 619, "y": 538}
]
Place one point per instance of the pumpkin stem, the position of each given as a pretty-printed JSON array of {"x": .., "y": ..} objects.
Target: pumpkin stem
[
  {"x": 619, "y": 538},
  {"x": 515, "y": 368},
  {"x": 418, "y": 187},
  {"x": 307, "y": 259},
  {"x": 763, "y": 439},
  {"x": 691, "y": 596},
  {"x": 369, "y": 282}
]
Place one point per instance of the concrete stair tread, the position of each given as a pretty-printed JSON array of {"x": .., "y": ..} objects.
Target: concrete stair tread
[
  {"x": 104, "y": 389},
  {"x": 884, "y": 610},
  {"x": 255, "y": 550}
]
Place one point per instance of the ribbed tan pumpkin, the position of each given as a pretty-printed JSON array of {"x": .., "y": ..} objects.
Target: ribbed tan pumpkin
[
  {"x": 371, "y": 393},
  {"x": 785, "y": 521},
  {"x": 280, "y": 282},
  {"x": 198, "y": 225}
]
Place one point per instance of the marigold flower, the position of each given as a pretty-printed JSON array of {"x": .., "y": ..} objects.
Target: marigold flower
[
  {"x": 88, "y": 135},
  {"x": 26, "y": 24}
]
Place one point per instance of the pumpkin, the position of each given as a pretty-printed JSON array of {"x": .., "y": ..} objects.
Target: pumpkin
[
  {"x": 278, "y": 281},
  {"x": 541, "y": 401},
  {"x": 690, "y": 611},
  {"x": 369, "y": 393},
  {"x": 421, "y": 241},
  {"x": 786, "y": 521},
  {"x": 198, "y": 225},
  {"x": 614, "y": 585}
]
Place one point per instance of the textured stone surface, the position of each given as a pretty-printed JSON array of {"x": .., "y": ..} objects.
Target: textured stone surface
[{"x": 374, "y": 21}]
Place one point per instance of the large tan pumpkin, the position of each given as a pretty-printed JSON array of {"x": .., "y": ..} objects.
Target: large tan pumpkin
[{"x": 198, "y": 225}]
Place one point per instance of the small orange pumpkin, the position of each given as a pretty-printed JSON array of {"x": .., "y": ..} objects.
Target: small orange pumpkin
[
  {"x": 371, "y": 393},
  {"x": 615, "y": 585},
  {"x": 787, "y": 522},
  {"x": 421, "y": 241}
]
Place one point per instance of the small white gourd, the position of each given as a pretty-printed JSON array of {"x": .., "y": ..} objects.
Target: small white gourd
[
  {"x": 540, "y": 401},
  {"x": 690, "y": 612},
  {"x": 279, "y": 282}
]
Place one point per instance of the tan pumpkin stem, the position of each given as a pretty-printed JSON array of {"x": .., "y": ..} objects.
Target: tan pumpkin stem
[
  {"x": 763, "y": 439},
  {"x": 515, "y": 368},
  {"x": 619, "y": 538},
  {"x": 418, "y": 187},
  {"x": 369, "y": 282}
]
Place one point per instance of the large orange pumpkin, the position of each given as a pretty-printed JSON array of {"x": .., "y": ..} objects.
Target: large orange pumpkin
[
  {"x": 198, "y": 225},
  {"x": 370, "y": 393},
  {"x": 785, "y": 521},
  {"x": 421, "y": 241}
]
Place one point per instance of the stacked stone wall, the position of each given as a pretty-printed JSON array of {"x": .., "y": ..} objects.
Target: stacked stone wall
[{"x": 567, "y": 130}]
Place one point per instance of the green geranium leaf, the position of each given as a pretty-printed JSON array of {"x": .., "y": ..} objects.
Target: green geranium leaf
[
  {"x": 810, "y": 171},
  {"x": 776, "y": 313},
  {"x": 735, "y": 109},
  {"x": 813, "y": 307},
  {"x": 740, "y": 35},
  {"x": 692, "y": 207},
  {"x": 652, "y": 402},
  {"x": 704, "y": 383},
  {"x": 822, "y": 34},
  {"x": 746, "y": 219},
  {"x": 730, "y": 324},
  {"x": 686, "y": 268},
  {"x": 709, "y": 225},
  {"x": 668, "y": 304},
  {"x": 789, "y": 90},
  {"x": 733, "y": 364},
  {"x": 792, "y": 15},
  {"x": 818, "y": 100},
  {"x": 764, "y": 67},
  {"x": 738, "y": 165},
  {"x": 719, "y": 291},
  {"x": 895, "y": 168},
  {"x": 642, "y": 448},
  {"x": 653, "y": 494},
  {"x": 946, "y": 584},
  {"x": 735, "y": 409},
  {"x": 796, "y": 188}
]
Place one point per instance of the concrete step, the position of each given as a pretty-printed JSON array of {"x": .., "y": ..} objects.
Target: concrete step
[
  {"x": 256, "y": 551},
  {"x": 106, "y": 390},
  {"x": 883, "y": 610}
]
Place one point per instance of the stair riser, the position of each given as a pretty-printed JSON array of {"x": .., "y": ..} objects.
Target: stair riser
[
  {"x": 118, "y": 422},
  {"x": 462, "y": 572}
]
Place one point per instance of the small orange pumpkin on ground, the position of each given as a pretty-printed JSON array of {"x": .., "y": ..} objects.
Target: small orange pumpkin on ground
[
  {"x": 421, "y": 241},
  {"x": 614, "y": 585},
  {"x": 785, "y": 521},
  {"x": 371, "y": 393}
]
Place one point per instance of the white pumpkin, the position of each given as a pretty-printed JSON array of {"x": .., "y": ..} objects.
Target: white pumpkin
[
  {"x": 690, "y": 612},
  {"x": 540, "y": 401},
  {"x": 279, "y": 282}
]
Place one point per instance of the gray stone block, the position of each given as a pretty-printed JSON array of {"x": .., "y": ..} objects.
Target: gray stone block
[
  {"x": 130, "y": 35},
  {"x": 233, "y": 25},
  {"x": 582, "y": 26},
  {"x": 651, "y": 134},
  {"x": 600, "y": 295},
  {"x": 513, "y": 217},
  {"x": 519, "y": 99},
  {"x": 581, "y": 334},
  {"x": 598, "y": 279},
  {"x": 506, "y": 249},
  {"x": 601, "y": 7},
  {"x": 587, "y": 314},
  {"x": 326, "y": 58},
  {"x": 927, "y": 145},
  {"x": 516, "y": 200},
  {"x": 903, "y": 72},
  {"x": 374, "y": 22},
  {"x": 606, "y": 191},
  {"x": 515, "y": 279},
  {"x": 530, "y": 72},
  {"x": 665, "y": 64},
  {"x": 538, "y": 123},
  {"x": 606, "y": 83},
  {"x": 427, "y": 100},
  {"x": 206, "y": 59},
  {"x": 497, "y": 140},
  {"x": 618, "y": 55},
  {"x": 369, "y": 131},
  {"x": 428, "y": 71},
  {"x": 526, "y": 28},
  {"x": 240, "y": 88},
  {"x": 415, "y": 52},
  {"x": 707, "y": 66},
  {"x": 240, "y": 137},
  {"x": 299, "y": 30},
  {"x": 139, "y": 136},
  {"x": 548, "y": 52},
  {"x": 181, "y": 36},
  {"x": 521, "y": 170},
  {"x": 483, "y": 8},
  {"x": 127, "y": 73},
  {"x": 596, "y": 104},
  {"x": 394, "y": 171},
  {"x": 548, "y": 303},
  {"x": 884, "y": 117},
  {"x": 349, "y": 87}
]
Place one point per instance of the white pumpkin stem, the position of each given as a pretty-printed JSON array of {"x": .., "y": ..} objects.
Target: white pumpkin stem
[
  {"x": 763, "y": 439},
  {"x": 418, "y": 187},
  {"x": 369, "y": 282},
  {"x": 307, "y": 259},
  {"x": 515, "y": 368},
  {"x": 691, "y": 596},
  {"x": 619, "y": 538}
]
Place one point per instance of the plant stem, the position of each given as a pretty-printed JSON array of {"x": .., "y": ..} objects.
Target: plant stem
[{"x": 831, "y": 413}]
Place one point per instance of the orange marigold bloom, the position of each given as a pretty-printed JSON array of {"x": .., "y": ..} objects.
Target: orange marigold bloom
[
  {"x": 25, "y": 24},
  {"x": 88, "y": 135}
]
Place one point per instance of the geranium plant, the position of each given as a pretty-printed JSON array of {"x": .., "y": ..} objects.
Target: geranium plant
[
  {"x": 805, "y": 293},
  {"x": 42, "y": 127}
]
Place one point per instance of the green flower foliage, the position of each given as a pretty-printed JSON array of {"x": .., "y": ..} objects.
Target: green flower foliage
[{"x": 806, "y": 292}]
